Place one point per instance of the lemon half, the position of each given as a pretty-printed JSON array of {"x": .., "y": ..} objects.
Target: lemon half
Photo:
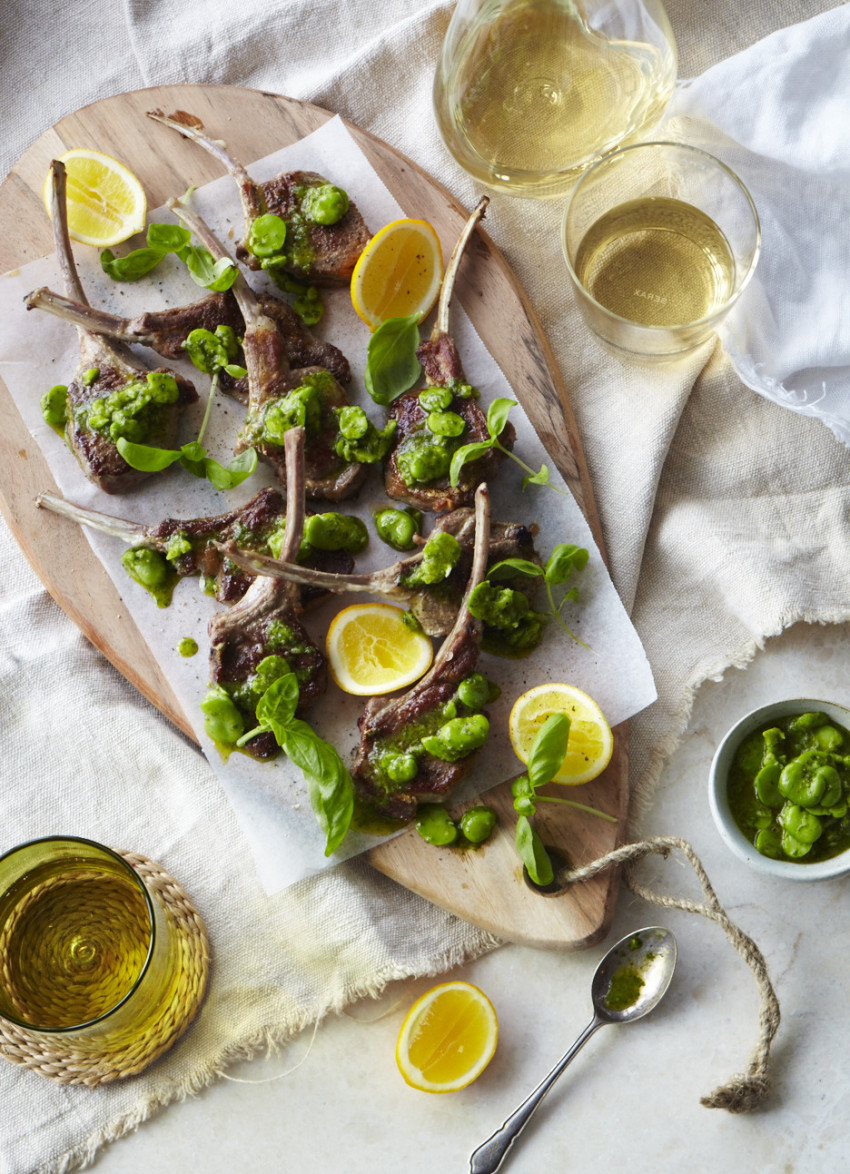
[
  {"x": 106, "y": 202},
  {"x": 590, "y": 744},
  {"x": 398, "y": 273},
  {"x": 448, "y": 1038},
  {"x": 371, "y": 650}
]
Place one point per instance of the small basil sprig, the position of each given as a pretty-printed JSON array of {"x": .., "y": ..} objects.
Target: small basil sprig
[
  {"x": 171, "y": 238},
  {"x": 329, "y": 784},
  {"x": 497, "y": 418},
  {"x": 547, "y": 754},
  {"x": 211, "y": 353},
  {"x": 391, "y": 363},
  {"x": 564, "y": 559}
]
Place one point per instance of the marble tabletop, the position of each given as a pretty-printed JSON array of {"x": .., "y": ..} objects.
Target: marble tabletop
[{"x": 335, "y": 1101}]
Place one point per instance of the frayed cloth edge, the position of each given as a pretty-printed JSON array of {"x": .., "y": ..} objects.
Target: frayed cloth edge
[{"x": 265, "y": 1040}]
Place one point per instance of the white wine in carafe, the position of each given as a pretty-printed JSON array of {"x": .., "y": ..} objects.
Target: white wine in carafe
[{"x": 529, "y": 93}]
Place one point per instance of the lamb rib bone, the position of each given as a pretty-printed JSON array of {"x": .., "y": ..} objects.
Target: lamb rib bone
[
  {"x": 443, "y": 369},
  {"x": 103, "y": 368},
  {"x": 435, "y": 609},
  {"x": 165, "y": 331},
  {"x": 328, "y": 253},
  {"x": 269, "y": 378},
  {"x": 266, "y": 622},
  {"x": 384, "y": 720},
  {"x": 264, "y": 512}
]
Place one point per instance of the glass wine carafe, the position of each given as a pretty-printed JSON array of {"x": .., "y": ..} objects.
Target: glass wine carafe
[{"x": 530, "y": 92}]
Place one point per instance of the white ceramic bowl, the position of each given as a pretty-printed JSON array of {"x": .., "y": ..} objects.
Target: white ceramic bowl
[{"x": 718, "y": 798}]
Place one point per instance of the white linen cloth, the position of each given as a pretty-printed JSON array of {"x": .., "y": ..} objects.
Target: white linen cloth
[
  {"x": 777, "y": 115},
  {"x": 724, "y": 519}
]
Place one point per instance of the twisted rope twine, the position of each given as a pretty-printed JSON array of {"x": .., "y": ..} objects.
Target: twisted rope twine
[{"x": 744, "y": 1091}]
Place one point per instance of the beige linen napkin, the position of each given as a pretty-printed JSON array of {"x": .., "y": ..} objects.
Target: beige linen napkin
[{"x": 724, "y": 518}]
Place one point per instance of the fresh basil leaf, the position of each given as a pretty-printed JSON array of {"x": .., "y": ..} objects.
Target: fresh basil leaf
[
  {"x": 539, "y": 478},
  {"x": 224, "y": 275},
  {"x": 234, "y": 371},
  {"x": 193, "y": 451},
  {"x": 548, "y": 749},
  {"x": 168, "y": 238},
  {"x": 465, "y": 454},
  {"x": 329, "y": 783},
  {"x": 564, "y": 559},
  {"x": 276, "y": 708},
  {"x": 228, "y": 476},
  {"x": 145, "y": 457},
  {"x": 206, "y": 271},
  {"x": 131, "y": 267},
  {"x": 509, "y": 567},
  {"x": 532, "y": 853},
  {"x": 391, "y": 363},
  {"x": 497, "y": 416}
]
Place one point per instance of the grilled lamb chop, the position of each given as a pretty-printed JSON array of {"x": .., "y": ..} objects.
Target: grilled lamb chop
[
  {"x": 270, "y": 382},
  {"x": 265, "y": 622},
  {"x": 165, "y": 331},
  {"x": 435, "y": 606},
  {"x": 108, "y": 371},
  {"x": 443, "y": 370},
  {"x": 192, "y": 547},
  {"x": 398, "y": 726},
  {"x": 315, "y": 253}
]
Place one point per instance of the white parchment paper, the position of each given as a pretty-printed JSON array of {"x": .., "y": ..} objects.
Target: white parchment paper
[{"x": 270, "y": 799}]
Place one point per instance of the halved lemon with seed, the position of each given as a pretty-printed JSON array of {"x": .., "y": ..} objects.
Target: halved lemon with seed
[
  {"x": 448, "y": 1038},
  {"x": 372, "y": 650},
  {"x": 398, "y": 273},
  {"x": 106, "y": 202},
  {"x": 590, "y": 744}
]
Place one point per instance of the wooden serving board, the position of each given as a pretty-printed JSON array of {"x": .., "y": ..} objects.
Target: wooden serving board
[{"x": 486, "y": 886}]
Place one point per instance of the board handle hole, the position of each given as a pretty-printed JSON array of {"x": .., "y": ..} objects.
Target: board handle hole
[{"x": 560, "y": 865}]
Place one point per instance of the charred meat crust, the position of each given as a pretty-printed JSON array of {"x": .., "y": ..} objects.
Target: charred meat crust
[
  {"x": 243, "y": 636},
  {"x": 383, "y": 719},
  {"x": 380, "y": 720},
  {"x": 98, "y": 455},
  {"x": 439, "y": 496},
  {"x": 166, "y": 331},
  {"x": 327, "y": 477},
  {"x": 440, "y": 361},
  {"x": 259, "y": 516},
  {"x": 334, "y": 249},
  {"x": 237, "y": 660}
]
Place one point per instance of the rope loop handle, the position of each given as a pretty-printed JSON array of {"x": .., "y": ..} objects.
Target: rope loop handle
[{"x": 745, "y": 1091}]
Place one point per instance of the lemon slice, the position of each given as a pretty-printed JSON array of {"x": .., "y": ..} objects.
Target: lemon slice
[
  {"x": 448, "y": 1038},
  {"x": 106, "y": 202},
  {"x": 590, "y": 744},
  {"x": 371, "y": 650},
  {"x": 398, "y": 273}
]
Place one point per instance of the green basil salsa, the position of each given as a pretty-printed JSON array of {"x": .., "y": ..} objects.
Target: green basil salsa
[
  {"x": 450, "y": 731},
  {"x": 789, "y": 788},
  {"x": 425, "y": 453},
  {"x": 316, "y": 405},
  {"x": 624, "y": 989}
]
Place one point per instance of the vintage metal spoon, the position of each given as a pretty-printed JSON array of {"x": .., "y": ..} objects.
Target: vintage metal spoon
[{"x": 629, "y": 981}]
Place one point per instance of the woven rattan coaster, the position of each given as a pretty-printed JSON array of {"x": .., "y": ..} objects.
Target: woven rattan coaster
[{"x": 61, "y": 1058}]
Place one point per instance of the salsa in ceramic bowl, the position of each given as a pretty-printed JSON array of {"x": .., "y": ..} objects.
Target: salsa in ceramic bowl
[{"x": 779, "y": 789}]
